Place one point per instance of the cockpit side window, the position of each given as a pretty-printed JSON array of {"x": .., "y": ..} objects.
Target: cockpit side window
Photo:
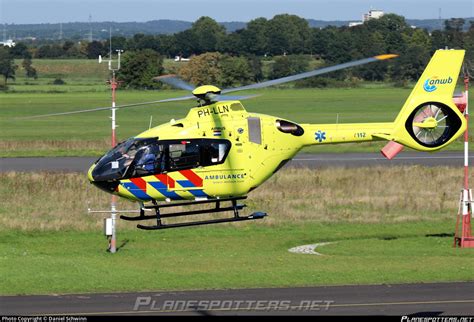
[
  {"x": 185, "y": 155},
  {"x": 195, "y": 153},
  {"x": 214, "y": 152},
  {"x": 149, "y": 160}
]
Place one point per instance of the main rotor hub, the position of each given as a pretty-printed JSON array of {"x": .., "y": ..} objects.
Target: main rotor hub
[{"x": 205, "y": 92}]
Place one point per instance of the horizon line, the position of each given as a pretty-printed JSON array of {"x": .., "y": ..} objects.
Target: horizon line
[{"x": 228, "y": 21}]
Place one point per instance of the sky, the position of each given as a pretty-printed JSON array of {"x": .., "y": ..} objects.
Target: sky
[{"x": 54, "y": 11}]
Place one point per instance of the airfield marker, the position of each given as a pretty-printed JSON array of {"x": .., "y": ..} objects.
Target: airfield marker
[{"x": 465, "y": 203}]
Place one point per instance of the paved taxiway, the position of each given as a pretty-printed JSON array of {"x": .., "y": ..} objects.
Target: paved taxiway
[
  {"x": 406, "y": 299},
  {"x": 320, "y": 160}
]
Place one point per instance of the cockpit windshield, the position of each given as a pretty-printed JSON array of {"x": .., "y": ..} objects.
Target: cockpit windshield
[
  {"x": 139, "y": 157},
  {"x": 116, "y": 163}
]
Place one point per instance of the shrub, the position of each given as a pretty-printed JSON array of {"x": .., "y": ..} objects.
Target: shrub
[{"x": 58, "y": 81}]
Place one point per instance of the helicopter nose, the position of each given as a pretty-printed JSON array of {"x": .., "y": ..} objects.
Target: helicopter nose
[
  {"x": 108, "y": 186},
  {"x": 89, "y": 173}
]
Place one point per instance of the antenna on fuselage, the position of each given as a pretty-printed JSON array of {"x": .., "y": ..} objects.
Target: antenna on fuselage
[{"x": 151, "y": 120}]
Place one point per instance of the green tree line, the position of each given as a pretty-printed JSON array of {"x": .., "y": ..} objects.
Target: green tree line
[
  {"x": 287, "y": 40},
  {"x": 283, "y": 34}
]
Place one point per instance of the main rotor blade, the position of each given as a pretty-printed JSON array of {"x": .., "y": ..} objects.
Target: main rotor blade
[
  {"x": 183, "y": 98},
  {"x": 222, "y": 98},
  {"x": 311, "y": 73},
  {"x": 175, "y": 81}
]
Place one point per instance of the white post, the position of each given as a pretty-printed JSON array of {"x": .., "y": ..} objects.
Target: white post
[{"x": 113, "y": 240}]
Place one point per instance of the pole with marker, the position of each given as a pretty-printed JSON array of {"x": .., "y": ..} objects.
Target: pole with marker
[
  {"x": 113, "y": 86},
  {"x": 464, "y": 238},
  {"x": 113, "y": 204}
]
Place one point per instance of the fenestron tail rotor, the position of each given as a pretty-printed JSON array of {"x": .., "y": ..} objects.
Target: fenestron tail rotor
[
  {"x": 431, "y": 124},
  {"x": 207, "y": 94}
]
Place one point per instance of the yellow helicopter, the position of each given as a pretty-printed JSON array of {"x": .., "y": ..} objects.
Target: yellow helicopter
[{"x": 220, "y": 152}]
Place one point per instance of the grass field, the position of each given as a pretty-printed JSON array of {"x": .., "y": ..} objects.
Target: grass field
[
  {"x": 388, "y": 225},
  {"x": 253, "y": 255},
  {"x": 79, "y": 75}
]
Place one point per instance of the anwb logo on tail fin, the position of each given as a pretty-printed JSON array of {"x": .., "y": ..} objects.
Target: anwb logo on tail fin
[
  {"x": 430, "y": 84},
  {"x": 427, "y": 87}
]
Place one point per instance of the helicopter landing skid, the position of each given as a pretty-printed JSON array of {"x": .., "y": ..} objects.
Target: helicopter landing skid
[{"x": 235, "y": 207}]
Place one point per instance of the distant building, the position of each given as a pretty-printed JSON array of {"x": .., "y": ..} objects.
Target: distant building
[
  {"x": 355, "y": 23},
  {"x": 372, "y": 14},
  {"x": 180, "y": 58},
  {"x": 8, "y": 43}
]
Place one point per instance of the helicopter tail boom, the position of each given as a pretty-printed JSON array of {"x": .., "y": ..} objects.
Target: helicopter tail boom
[
  {"x": 345, "y": 133},
  {"x": 428, "y": 121}
]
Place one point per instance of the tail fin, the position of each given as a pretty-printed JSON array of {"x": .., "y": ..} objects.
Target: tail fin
[{"x": 429, "y": 119}]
